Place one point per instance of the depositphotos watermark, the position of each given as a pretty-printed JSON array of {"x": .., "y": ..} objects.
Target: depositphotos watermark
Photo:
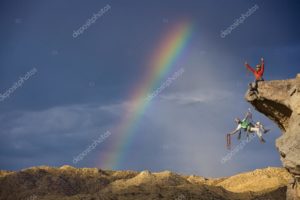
[
  {"x": 91, "y": 147},
  {"x": 166, "y": 84},
  {"x": 239, "y": 21},
  {"x": 17, "y": 84},
  {"x": 237, "y": 148},
  {"x": 90, "y": 21}
]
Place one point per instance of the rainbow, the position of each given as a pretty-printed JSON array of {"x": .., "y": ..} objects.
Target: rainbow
[{"x": 161, "y": 62}]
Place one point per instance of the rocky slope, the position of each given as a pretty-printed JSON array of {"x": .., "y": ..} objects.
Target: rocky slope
[
  {"x": 66, "y": 183},
  {"x": 279, "y": 100}
]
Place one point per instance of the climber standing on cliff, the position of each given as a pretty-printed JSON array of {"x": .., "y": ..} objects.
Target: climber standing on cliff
[{"x": 258, "y": 73}]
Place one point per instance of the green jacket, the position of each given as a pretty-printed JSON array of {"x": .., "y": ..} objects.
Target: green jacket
[{"x": 245, "y": 124}]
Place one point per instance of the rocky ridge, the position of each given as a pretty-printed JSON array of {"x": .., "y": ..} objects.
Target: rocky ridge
[{"x": 66, "y": 183}]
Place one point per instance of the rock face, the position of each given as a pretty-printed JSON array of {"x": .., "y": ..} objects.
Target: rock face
[
  {"x": 279, "y": 100},
  {"x": 68, "y": 183}
]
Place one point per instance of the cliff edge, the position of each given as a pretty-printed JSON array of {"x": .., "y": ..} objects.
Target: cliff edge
[{"x": 279, "y": 100}]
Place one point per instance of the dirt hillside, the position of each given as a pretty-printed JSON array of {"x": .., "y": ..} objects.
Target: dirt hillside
[{"x": 66, "y": 183}]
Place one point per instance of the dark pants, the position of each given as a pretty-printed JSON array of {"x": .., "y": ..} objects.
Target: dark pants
[{"x": 254, "y": 85}]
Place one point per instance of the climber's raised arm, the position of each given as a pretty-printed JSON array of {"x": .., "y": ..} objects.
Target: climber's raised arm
[
  {"x": 262, "y": 65},
  {"x": 249, "y": 67},
  {"x": 248, "y": 116}
]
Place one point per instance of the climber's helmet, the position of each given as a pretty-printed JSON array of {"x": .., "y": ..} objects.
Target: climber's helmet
[
  {"x": 258, "y": 124},
  {"x": 258, "y": 67}
]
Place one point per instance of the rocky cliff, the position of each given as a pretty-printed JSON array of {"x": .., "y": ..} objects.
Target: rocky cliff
[
  {"x": 279, "y": 100},
  {"x": 66, "y": 183}
]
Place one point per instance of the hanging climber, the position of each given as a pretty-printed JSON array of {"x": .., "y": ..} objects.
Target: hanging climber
[
  {"x": 258, "y": 73},
  {"x": 248, "y": 126}
]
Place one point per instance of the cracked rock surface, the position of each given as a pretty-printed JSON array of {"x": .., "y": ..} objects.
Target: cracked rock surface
[{"x": 279, "y": 100}]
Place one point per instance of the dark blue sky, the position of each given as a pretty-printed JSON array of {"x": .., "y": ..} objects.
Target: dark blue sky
[{"x": 83, "y": 83}]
